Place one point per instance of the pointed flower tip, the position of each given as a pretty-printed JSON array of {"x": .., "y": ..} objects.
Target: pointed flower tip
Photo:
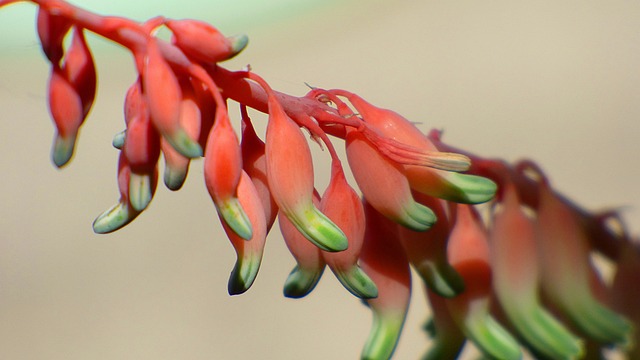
[
  {"x": 358, "y": 282},
  {"x": 442, "y": 279},
  {"x": 114, "y": 218},
  {"x": 321, "y": 231},
  {"x": 186, "y": 146},
  {"x": 238, "y": 43},
  {"x": 470, "y": 189},
  {"x": 301, "y": 282},
  {"x": 492, "y": 339},
  {"x": 243, "y": 275},
  {"x": 140, "y": 191},
  {"x": 62, "y": 151},
  {"x": 418, "y": 218},
  {"x": 383, "y": 337},
  {"x": 174, "y": 178},
  {"x": 234, "y": 215}
]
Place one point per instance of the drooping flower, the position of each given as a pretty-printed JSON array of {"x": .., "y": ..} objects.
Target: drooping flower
[
  {"x": 384, "y": 260},
  {"x": 384, "y": 185},
  {"x": 309, "y": 261},
  {"x": 290, "y": 176},
  {"x": 516, "y": 282},
  {"x": 222, "y": 171},
  {"x": 161, "y": 89},
  {"x": 248, "y": 251},
  {"x": 468, "y": 252},
  {"x": 446, "y": 336},
  {"x": 65, "y": 105},
  {"x": 565, "y": 271},
  {"x": 204, "y": 42},
  {"x": 427, "y": 251},
  {"x": 343, "y": 206}
]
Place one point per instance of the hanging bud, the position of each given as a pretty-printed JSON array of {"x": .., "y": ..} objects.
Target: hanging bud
[
  {"x": 51, "y": 30},
  {"x": 80, "y": 70},
  {"x": 254, "y": 162},
  {"x": 122, "y": 213},
  {"x": 563, "y": 250},
  {"x": 384, "y": 260},
  {"x": 468, "y": 253},
  {"x": 290, "y": 176},
  {"x": 341, "y": 204},
  {"x": 222, "y": 170},
  {"x": 384, "y": 185},
  {"x": 427, "y": 251},
  {"x": 249, "y": 252},
  {"x": 161, "y": 89},
  {"x": 516, "y": 282},
  {"x": 65, "y": 105},
  {"x": 447, "y": 337},
  {"x": 203, "y": 42},
  {"x": 309, "y": 262}
]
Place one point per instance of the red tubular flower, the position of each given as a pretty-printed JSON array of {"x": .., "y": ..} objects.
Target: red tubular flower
[
  {"x": 80, "y": 70},
  {"x": 254, "y": 162},
  {"x": 65, "y": 105},
  {"x": 141, "y": 148},
  {"x": 427, "y": 251},
  {"x": 161, "y": 89},
  {"x": 384, "y": 260},
  {"x": 468, "y": 252},
  {"x": 309, "y": 261},
  {"x": 121, "y": 213},
  {"x": 249, "y": 252},
  {"x": 222, "y": 170},
  {"x": 384, "y": 185},
  {"x": 51, "y": 30},
  {"x": 453, "y": 186},
  {"x": 565, "y": 263},
  {"x": 447, "y": 337},
  {"x": 193, "y": 119},
  {"x": 516, "y": 276},
  {"x": 204, "y": 42},
  {"x": 290, "y": 175},
  {"x": 342, "y": 205}
]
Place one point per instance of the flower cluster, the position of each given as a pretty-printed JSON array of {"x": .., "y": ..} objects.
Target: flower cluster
[{"x": 514, "y": 274}]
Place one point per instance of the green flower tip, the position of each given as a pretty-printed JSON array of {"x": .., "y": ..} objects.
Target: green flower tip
[
  {"x": 174, "y": 178},
  {"x": 321, "y": 231},
  {"x": 301, "y": 282},
  {"x": 442, "y": 278},
  {"x": 383, "y": 337},
  {"x": 238, "y": 43},
  {"x": 357, "y": 282},
  {"x": 243, "y": 275},
  {"x": 492, "y": 339},
  {"x": 471, "y": 189},
  {"x": 183, "y": 144},
  {"x": 62, "y": 150},
  {"x": 233, "y": 215},
  {"x": 140, "y": 192},
  {"x": 113, "y": 219},
  {"x": 418, "y": 218}
]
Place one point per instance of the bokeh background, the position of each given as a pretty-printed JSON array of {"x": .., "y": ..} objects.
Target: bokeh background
[{"x": 558, "y": 82}]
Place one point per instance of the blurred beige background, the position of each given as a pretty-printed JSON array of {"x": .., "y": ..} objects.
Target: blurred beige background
[{"x": 555, "y": 81}]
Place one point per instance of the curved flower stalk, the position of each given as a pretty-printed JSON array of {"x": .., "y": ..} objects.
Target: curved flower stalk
[{"x": 411, "y": 185}]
